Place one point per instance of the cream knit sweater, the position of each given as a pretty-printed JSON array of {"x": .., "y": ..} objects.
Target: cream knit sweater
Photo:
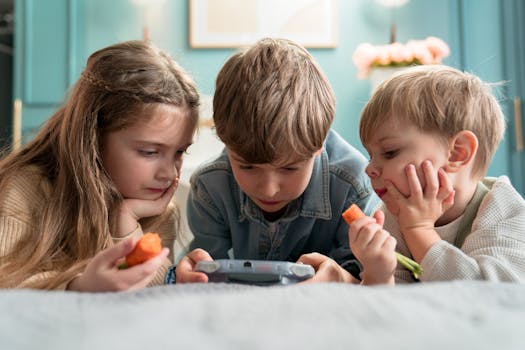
[{"x": 494, "y": 250}]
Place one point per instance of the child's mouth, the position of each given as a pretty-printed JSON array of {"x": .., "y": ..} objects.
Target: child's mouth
[
  {"x": 157, "y": 190},
  {"x": 269, "y": 202},
  {"x": 381, "y": 192}
]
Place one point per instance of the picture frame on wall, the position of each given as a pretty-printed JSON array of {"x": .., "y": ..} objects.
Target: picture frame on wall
[{"x": 235, "y": 23}]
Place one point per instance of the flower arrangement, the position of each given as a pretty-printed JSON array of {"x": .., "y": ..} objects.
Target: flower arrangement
[{"x": 432, "y": 50}]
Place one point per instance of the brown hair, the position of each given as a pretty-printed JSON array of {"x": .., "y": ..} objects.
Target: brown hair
[
  {"x": 272, "y": 101},
  {"x": 440, "y": 100},
  {"x": 118, "y": 85}
]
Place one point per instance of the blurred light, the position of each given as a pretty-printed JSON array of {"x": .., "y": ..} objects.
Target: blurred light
[
  {"x": 148, "y": 2},
  {"x": 392, "y": 3}
]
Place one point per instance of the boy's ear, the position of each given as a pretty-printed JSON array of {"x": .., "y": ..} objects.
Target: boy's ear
[{"x": 463, "y": 149}]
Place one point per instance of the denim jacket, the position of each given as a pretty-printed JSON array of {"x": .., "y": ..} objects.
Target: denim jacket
[{"x": 224, "y": 219}]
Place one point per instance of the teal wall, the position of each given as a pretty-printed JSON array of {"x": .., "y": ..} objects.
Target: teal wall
[
  {"x": 55, "y": 37},
  {"x": 359, "y": 21}
]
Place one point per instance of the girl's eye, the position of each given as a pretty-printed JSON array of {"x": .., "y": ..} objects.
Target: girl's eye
[{"x": 148, "y": 153}]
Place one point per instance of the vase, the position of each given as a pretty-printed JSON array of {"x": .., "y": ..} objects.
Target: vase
[{"x": 380, "y": 74}]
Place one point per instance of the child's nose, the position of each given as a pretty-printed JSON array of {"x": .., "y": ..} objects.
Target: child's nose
[
  {"x": 169, "y": 170},
  {"x": 269, "y": 185},
  {"x": 372, "y": 170}
]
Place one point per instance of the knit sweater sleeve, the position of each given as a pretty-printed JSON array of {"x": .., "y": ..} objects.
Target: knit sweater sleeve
[
  {"x": 18, "y": 211},
  {"x": 19, "y": 208},
  {"x": 495, "y": 248}
]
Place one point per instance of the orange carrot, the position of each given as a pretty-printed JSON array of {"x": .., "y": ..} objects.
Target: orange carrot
[
  {"x": 352, "y": 213},
  {"x": 147, "y": 247}
]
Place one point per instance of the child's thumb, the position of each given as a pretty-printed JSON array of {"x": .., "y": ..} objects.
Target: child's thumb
[{"x": 380, "y": 217}]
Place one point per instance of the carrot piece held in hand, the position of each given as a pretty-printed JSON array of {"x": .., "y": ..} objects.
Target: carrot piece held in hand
[
  {"x": 147, "y": 247},
  {"x": 354, "y": 213}
]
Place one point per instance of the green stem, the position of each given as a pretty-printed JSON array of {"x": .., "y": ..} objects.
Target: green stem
[{"x": 410, "y": 265}]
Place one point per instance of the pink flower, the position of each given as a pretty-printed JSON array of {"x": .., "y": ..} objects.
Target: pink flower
[
  {"x": 398, "y": 53},
  {"x": 420, "y": 52},
  {"x": 363, "y": 57},
  {"x": 429, "y": 51},
  {"x": 437, "y": 47}
]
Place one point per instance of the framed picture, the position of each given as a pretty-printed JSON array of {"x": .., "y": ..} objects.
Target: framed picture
[{"x": 234, "y": 23}]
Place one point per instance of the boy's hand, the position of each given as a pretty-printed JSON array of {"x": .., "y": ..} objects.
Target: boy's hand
[
  {"x": 185, "y": 268},
  {"x": 374, "y": 248},
  {"x": 326, "y": 269},
  {"x": 133, "y": 209},
  {"x": 102, "y": 273},
  {"x": 423, "y": 206},
  {"x": 419, "y": 211}
]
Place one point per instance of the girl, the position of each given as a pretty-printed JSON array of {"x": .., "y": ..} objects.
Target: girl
[{"x": 103, "y": 169}]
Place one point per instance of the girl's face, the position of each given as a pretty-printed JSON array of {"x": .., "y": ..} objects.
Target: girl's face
[
  {"x": 272, "y": 186},
  {"x": 396, "y": 145},
  {"x": 144, "y": 159}
]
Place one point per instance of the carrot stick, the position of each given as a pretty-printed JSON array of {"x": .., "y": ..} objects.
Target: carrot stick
[
  {"x": 147, "y": 247},
  {"x": 354, "y": 213}
]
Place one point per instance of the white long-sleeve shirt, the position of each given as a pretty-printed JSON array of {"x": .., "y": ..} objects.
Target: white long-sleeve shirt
[{"x": 493, "y": 250}]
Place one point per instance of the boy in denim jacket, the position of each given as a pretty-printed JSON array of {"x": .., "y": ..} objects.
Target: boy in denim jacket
[{"x": 278, "y": 189}]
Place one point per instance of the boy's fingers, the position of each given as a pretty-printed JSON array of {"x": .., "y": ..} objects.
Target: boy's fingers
[
  {"x": 195, "y": 277},
  {"x": 184, "y": 270},
  {"x": 413, "y": 181},
  {"x": 185, "y": 273},
  {"x": 390, "y": 243},
  {"x": 380, "y": 217},
  {"x": 431, "y": 180},
  {"x": 328, "y": 271},
  {"x": 198, "y": 254},
  {"x": 371, "y": 234},
  {"x": 313, "y": 259},
  {"x": 357, "y": 227},
  {"x": 449, "y": 201},
  {"x": 445, "y": 186}
]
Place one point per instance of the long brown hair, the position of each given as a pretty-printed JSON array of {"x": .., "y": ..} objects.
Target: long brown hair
[{"x": 117, "y": 85}]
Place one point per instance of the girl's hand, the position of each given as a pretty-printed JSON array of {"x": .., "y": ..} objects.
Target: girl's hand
[
  {"x": 326, "y": 269},
  {"x": 185, "y": 268},
  {"x": 132, "y": 210},
  {"x": 102, "y": 273},
  {"x": 374, "y": 248}
]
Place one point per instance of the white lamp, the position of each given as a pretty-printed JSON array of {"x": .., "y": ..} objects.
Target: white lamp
[
  {"x": 393, "y": 4},
  {"x": 149, "y": 10}
]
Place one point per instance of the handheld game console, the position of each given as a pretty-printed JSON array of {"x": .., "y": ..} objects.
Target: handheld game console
[{"x": 256, "y": 272}]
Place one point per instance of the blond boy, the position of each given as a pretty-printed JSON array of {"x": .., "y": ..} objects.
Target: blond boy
[{"x": 431, "y": 133}]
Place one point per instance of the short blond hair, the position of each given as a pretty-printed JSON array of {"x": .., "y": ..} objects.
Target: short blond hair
[
  {"x": 440, "y": 100},
  {"x": 272, "y": 101}
]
